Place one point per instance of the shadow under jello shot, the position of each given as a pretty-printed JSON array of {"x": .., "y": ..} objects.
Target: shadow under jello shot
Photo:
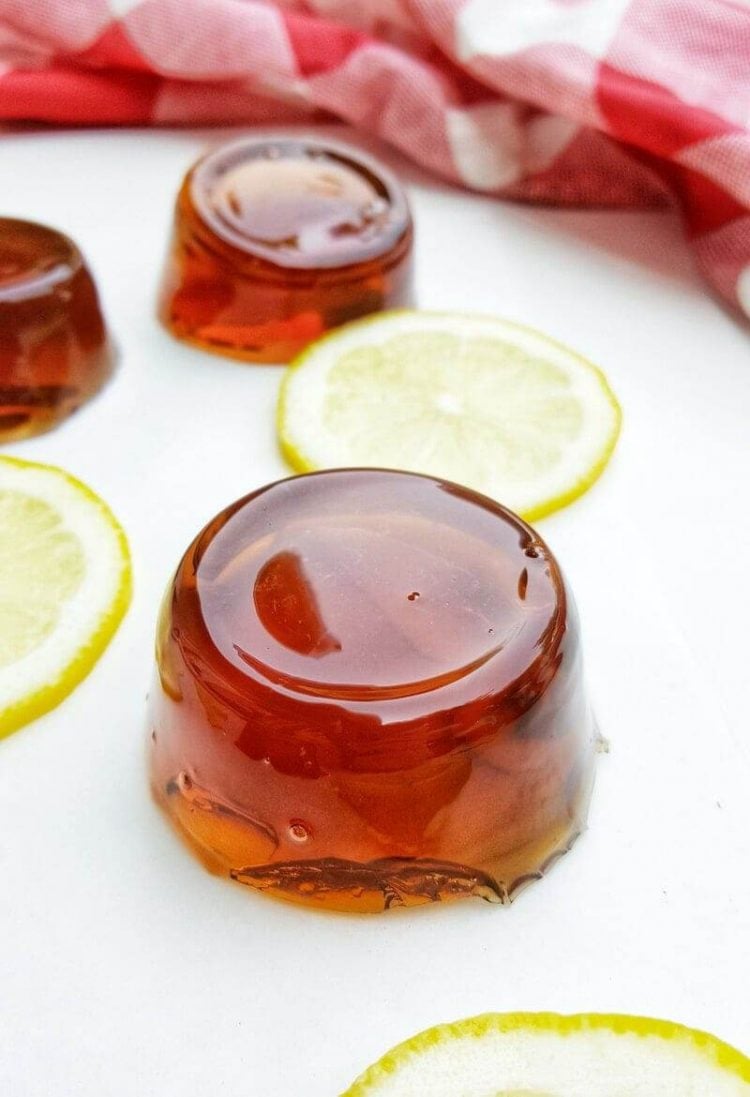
[{"x": 369, "y": 695}]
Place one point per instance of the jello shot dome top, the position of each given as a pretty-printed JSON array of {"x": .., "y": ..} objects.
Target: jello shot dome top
[
  {"x": 34, "y": 259},
  {"x": 376, "y": 586},
  {"x": 300, "y": 203}
]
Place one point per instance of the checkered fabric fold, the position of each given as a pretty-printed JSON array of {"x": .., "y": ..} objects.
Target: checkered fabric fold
[{"x": 580, "y": 102}]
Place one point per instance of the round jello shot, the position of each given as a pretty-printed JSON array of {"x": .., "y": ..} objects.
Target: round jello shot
[
  {"x": 54, "y": 350},
  {"x": 277, "y": 240},
  {"x": 369, "y": 695}
]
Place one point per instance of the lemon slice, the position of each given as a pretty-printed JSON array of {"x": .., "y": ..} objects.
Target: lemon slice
[
  {"x": 473, "y": 399},
  {"x": 548, "y": 1055},
  {"x": 65, "y": 583}
]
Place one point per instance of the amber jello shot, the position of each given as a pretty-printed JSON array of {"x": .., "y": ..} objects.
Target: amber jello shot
[
  {"x": 276, "y": 240},
  {"x": 54, "y": 350},
  {"x": 369, "y": 695}
]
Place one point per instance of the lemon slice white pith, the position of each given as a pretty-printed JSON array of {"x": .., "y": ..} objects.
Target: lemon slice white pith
[
  {"x": 65, "y": 583},
  {"x": 474, "y": 399},
  {"x": 549, "y": 1055}
]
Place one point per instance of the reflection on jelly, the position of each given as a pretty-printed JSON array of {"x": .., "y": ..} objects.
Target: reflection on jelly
[
  {"x": 54, "y": 352},
  {"x": 278, "y": 240},
  {"x": 369, "y": 695}
]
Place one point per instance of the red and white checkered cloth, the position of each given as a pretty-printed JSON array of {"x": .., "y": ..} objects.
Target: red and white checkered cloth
[{"x": 582, "y": 102}]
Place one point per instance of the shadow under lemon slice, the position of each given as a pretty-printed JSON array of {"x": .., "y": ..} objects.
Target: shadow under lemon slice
[
  {"x": 65, "y": 584},
  {"x": 551, "y": 1055}
]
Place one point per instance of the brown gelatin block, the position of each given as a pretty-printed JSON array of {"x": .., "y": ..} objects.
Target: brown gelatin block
[
  {"x": 277, "y": 240},
  {"x": 369, "y": 695},
  {"x": 54, "y": 350}
]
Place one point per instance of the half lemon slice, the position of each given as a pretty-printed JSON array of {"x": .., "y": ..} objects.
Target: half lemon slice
[
  {"x": 548, "y": 1055},
  {"x": 474, "y": 399},
  {"x": 65, "y": 584}
]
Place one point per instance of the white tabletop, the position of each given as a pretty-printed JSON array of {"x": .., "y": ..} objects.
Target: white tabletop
[{"x": 124, "y": 967}]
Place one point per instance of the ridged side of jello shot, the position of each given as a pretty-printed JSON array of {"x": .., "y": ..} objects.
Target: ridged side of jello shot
[
  {"x": 369, "y": 694},
  {"x": 277, "y": 240},
  {"x": 54, "y": 350}
]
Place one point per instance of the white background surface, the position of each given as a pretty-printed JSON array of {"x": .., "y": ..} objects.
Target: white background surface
[{"x": 125, "y": 969}]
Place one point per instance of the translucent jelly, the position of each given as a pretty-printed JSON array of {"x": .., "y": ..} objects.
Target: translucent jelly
[
  {"x": 278, "y": 240},
  {"x": 54, "y": 352},
  {"x": 369, "y": 695}
]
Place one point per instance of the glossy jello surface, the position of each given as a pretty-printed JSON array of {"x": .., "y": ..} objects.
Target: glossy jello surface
[
  {"x": 54, "y": 351},
  {"x": 369, "y": 694},
  {"x": 278, "y": 240}
]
